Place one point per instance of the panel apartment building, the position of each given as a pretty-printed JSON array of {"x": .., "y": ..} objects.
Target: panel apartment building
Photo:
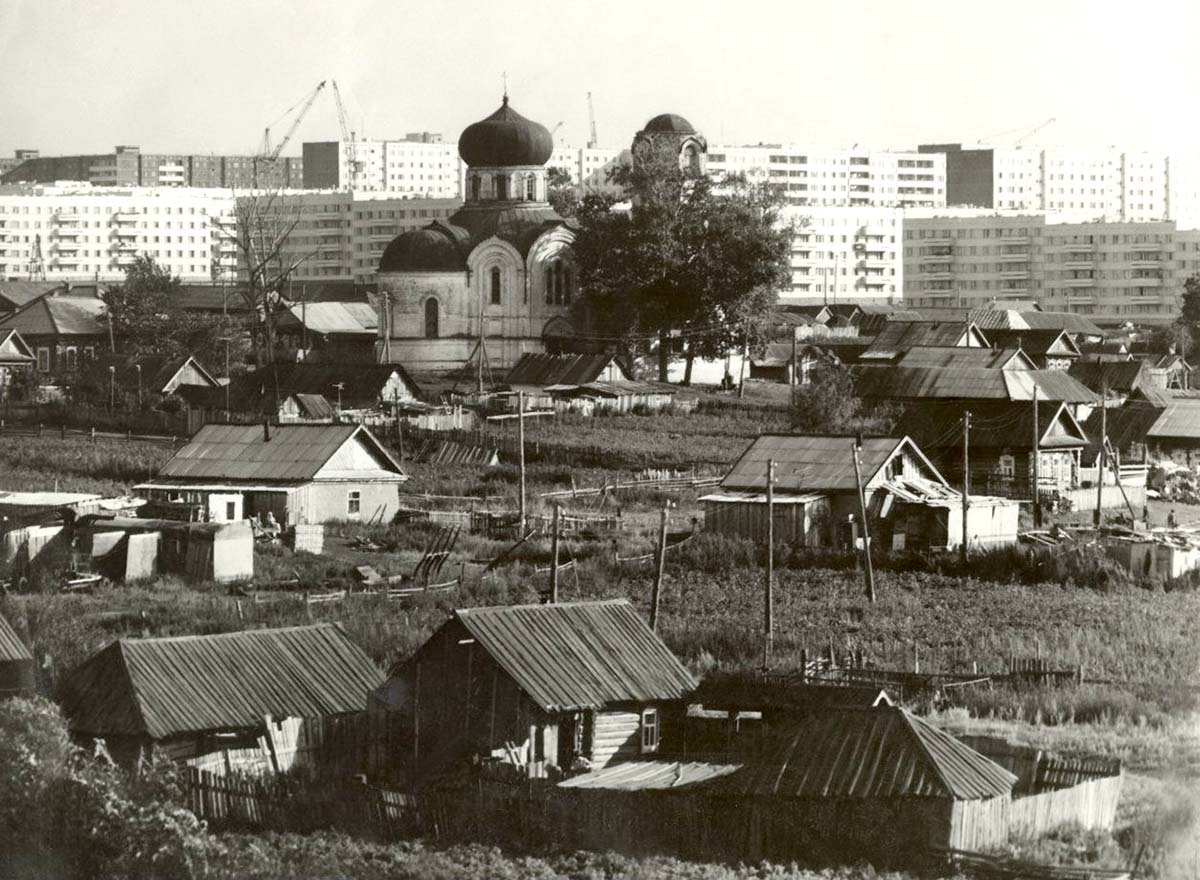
[
  {"x": 77, "y": 231},
  {"x": 846, "y": 254},
  {"x": 1112, "y": 272},
  {"x": 1075, "y": 184},
  {"x": 342, "y": 235},
  {"x": 129, "y": 166}
]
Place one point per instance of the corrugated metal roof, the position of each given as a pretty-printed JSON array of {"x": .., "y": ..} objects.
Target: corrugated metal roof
[
  {"x": 169, "y": 686},
  {"x": 1179, "y": 419},
  {"x": 355, "y": 318},
  {"x": 880, "y": 752},
  {"x": 294, "y": 452},
  {"x": 936, "y": 424},
  {"x": 558, "y": 369},
  {"x": 896, "y": 337},
  {"x": 1036, "y": 342},
  {"x": 809, "y": 462},
  {"x": 581, "y": 655},
  {"x": 314, "y": 406},
  {"x": 12, "y": 649},
  {"x": 904, "y": 382},
  {"x": 649, "y": 775},
  {"x": 958, "y": 358},
  {"x": 1120, "y": 377}
]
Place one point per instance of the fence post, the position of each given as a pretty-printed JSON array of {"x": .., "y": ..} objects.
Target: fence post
[{"x": 93, "y": 435}]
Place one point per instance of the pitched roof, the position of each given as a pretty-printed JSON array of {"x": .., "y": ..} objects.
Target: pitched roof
[
  {"x": 314, "y": 406},
  {"x": 362, "y": 384},
  {"x": 157, "y": 370},
  {"x": 1027, "y": 318},
  {"x": 1121, "y": 377},
  {"x": 168, "y": 686},
  {"x": 58, "y": 315},
  {"x": 1036, "y": 342},
  {"x": 356, "y": 318},
  {"x": 896, "y": 337},
  {"x": 230, "y": 298},
  {"x": 814, "y": 462},
  {"x": 558, "y": 369},
  {"x": 14, "y": 294},
  {"x": 14, "y": 349},
  {"x": 12, "y": 649},
  {"x": 936, "y": 424},
  {"x": 879, "y": 752},
  {"x": 580, "y": 655},
  {"x": 1141, "y": 420},
  {"x": 294, "y": 452},
  {"x": 957, "y": 358},
  {"x": 966, "y": 383}
]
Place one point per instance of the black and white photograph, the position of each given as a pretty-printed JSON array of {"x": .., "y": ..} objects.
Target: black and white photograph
[{"x": 627, "y": 440}]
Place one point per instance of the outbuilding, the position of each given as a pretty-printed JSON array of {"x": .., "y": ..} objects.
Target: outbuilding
[{"x": 17, "y": 675}]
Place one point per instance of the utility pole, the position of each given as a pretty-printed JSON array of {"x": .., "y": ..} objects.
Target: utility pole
[
  {"x": 521, "y": 458},
  {"x": 662, "y": 565},
  {"x": 769, "y": 598},
  {"x": 1037, "y": 462},
  {"x": 480, "y": 352},
  {"x": 795, "y": 366},
  {"x": 1100, "y": 462},
  {"x": 868, "y": 568},
  {"x": 966, "y": 499},
  {"x": 554, "y": 561},
  {"x": 399, "y": 431}
]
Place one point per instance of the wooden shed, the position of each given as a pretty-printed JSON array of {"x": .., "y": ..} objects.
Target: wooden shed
[
  {"x": 536, "y": 686},
  {"x": 17, "y": 675},
  {"x": 251, "y": 701}
]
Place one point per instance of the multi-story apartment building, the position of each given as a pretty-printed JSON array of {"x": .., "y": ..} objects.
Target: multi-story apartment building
[
  {"x": 821, "y": 177},
  {"x": 1077, "y": 185},
  {"x": 589, "y": 167},
  {"x": 8, "y": 163},
  {"x": 844, "y": 254},
  {"x": 1113, "y": 272},
  {"x": 80, "y": 231},
  {"x": 342, "y": 235},
  {"x": 128, "y": 166},
  {"x": 422, "y": 167}
]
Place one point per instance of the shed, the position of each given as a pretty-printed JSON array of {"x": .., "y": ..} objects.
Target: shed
[
  {"x": 297, "y": 474},
  {"x": 584, "y": 683},
  {"x": 897, "y": 337},
  {"x": 618, "y": 395},
  {"x": 246, "y": 698},
  {"x": 301, "y": 407},
  {"x": 536, "y": 371},
  {"x": 18, "y": 677}
]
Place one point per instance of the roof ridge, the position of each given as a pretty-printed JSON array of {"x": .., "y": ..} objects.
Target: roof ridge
[
  {"x": 910, "y": 725},
  {"x": 527, "y": 605}
]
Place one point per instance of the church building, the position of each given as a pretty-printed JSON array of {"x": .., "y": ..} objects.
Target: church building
[{"x": 502, "y": 264}]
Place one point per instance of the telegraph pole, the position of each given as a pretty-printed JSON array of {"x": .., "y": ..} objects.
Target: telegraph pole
[
  {"x": 868, "y": 569},
  {"x": 1100, "y": 462},
  {"x": 966, "y": 499},
  {"x": 521, "y": 457},
  {"x": 1037, "y": 462},
  {"x": 662, "y": 565},
  {"x": 768, "y": 598},
  {"x": 554, "y": 561}
]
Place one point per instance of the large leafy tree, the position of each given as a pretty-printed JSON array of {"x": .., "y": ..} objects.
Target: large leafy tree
[
  {"x": 688, "y": 257},
  {"x": 561, "y": 192}
]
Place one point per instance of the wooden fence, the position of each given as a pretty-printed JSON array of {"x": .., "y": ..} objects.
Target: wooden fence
[{"x": 1091, "y": 805}]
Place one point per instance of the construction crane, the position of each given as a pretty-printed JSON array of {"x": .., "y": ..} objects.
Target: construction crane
[
  {"x": 554, "y": 130},
  {"x": 352, "y": 165},
  {"x": 593, "y": 141},
  {"x": 272, "y": 154},
  {"x": 1034, "y": 131},
  {"x": 1028, "y": 133}
]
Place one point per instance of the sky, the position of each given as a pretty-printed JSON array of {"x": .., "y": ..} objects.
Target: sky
[{"x": 206, "y": 77}]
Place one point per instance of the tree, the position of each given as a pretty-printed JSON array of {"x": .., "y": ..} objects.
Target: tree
[
  {"x": 561, "y": 192},
  {"x": 690, "y": 259},
  {"x": 828, "y": 404},
  {"x": 145, "y": 309},
  {"x": 1190, "y": 311}
]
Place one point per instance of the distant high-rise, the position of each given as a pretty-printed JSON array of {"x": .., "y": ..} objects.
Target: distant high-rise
[{"x": 129, "y": 166}]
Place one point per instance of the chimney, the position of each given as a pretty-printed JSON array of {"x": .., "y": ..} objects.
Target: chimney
[{"x": 266, "y": 429}]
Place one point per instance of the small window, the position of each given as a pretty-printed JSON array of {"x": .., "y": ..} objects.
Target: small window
[
  {"x": 649, "y": 730},
  {"x": 431, "y": 318},
  {"x": 530, "y": 188},
  {"x": 43, "y": 360},
  {"x": 495, "y": 285},
  {"x": 1007, "y": 466},
  {"x": 72, "y": 357},
  {"x": 501, "y": 187},
  {"x": 230, "y": 511},
  {"x": 353, "y": 503}
]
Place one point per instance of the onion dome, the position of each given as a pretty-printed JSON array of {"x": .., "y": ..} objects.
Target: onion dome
[
  {"x": 432, "y": 248},
  {"x": 669, "y": 122},
  {"x": 504, "y": 139}
]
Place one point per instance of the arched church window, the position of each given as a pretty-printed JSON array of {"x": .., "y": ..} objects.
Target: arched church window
[
  {"x": 431, "y": 318},
  {"x": 476, "y": 187},
  {"x": 495, "y": 285},
  {"x": 530, "y": 188},
  {"x": 549, "y": 284},
  {"x": 501, "y": 187},
  {"x": 558, "y": 282},
  {"x": 691, "y": 157}
]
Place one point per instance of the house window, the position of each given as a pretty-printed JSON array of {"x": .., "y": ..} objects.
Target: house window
[
  {"x": 1007, "y": 466},
  {"x": 230, "y": 511},
  {"x": 431, "y": 318},
  {"x": 353, "y": 503},
  {"x": 495, "y": 285},
  {"x": 43, "y": 360},
  {"x": 649, "y": 731},
  {"x": 72, "y": 357}
]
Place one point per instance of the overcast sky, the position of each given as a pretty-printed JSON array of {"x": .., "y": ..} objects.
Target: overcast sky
[{"x": 171, "y": 76}]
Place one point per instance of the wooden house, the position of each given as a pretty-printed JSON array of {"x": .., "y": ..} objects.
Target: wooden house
[
  {"x": 815, "y": 501},
  {"x": 1049, "y": 349},
  {"x": 617, "y": 396},
  {"x": 151, "y": 377},
  {"x": 18, "y": 678},
  {"x": 252, "y": 701},
  {"x": 774, "y": 363},
  {"x": 350, "y": 387},
  {"x": 1001, "y": 443},
  {"x": 297, "y": 474},
  {"x": 63, "y": 330},
  {"x": 1163, "y": 429},
  {"x": 536, "y": 372},
  {"x": 328, "y": 332},
  {"x": 896, "y": 338},
  {"x": 15, "y": 355},
  {"x": 584, "y": 684}
]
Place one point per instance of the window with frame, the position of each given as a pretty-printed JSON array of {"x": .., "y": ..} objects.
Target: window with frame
[
  {"x": 501, "y": 184},
  {"x": 353, "y": 503},
  {"x": 43, "y": 360},
  {"x": 649, "y": 731},
  {"x": 1007, "y": 466},
  {"x": 530, "y": 188},
  {"x": 496, "y": 285}
]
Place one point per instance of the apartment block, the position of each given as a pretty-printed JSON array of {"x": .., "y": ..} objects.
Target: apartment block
[
  {"x": 83, "y": 232},
  {"x": 821, "y": 177},
  {"x": 342, "y": 235},
  {"x": 846, "y": 254},
  {"x": 1073, "y": 184},
  {"x": 589, "y": 167},
  {"x": 129, "y": 166},
  {"x": 421, "y": 168},
  {"x": 1110, "y": 271}
]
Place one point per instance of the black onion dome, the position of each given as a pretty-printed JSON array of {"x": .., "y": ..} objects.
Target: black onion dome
[
  {"x": 503, "y": 139},
  {"x": 669, "y": 122},
  {"x": 432, "y": 248}
]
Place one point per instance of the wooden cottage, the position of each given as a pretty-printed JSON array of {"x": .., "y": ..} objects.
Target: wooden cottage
[
  {"x": 297, "y": 474},
  {"x": 350, "y": 387},
  {"x": 1163, "y": 429},
  {"x": 15, "y": 355},
  {"x": 329, "y": 332},
  {"x": 253, "y": 701},
  {"x": 534, "y": 373},
  {"x": 1049, "y": 349},
  {"x": 896, "y": 338},
  {"x": 18, "y": 677},
  {"x": 583, "y": 684},
  {"x": 63, "y": 330},
  {"x": 909, "y": 503}
]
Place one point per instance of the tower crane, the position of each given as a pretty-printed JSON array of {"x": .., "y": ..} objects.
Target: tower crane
[
  {"x": 269, "y": 155},
  {"x": 593, "y": 141},
  {"x": 554, "y": 130},
  {"x": 1024, "y": 137},
  {"x": 352, "y": 165}
]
